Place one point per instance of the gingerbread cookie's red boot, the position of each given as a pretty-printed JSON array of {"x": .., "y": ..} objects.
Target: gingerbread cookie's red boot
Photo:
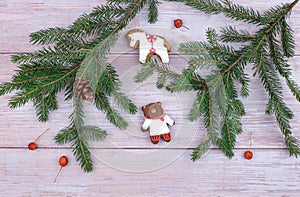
[
  {"x": 155, "y": 139},
  {"x": 167, "y": 137}
]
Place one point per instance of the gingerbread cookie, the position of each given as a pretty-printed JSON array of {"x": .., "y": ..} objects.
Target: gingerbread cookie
[
  {"x": 157, "y": 122},
  {"x": 149, "y": 45}
]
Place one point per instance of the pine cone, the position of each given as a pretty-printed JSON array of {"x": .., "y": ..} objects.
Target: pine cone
[{"x": 83, "y": 90}]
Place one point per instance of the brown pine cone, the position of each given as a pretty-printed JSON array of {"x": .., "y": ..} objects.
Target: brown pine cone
[{"x": 83, "y": 90}]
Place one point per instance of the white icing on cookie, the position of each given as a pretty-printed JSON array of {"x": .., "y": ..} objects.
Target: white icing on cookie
[{"x": 149, "y": 45}]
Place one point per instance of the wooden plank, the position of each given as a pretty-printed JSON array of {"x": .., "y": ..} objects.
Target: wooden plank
[
  {"x": 17, "y": 26},
  {"x": 19, "y": 19},
  {"x": 27, "y": 173},
  {"x": 186, "y": 134}
]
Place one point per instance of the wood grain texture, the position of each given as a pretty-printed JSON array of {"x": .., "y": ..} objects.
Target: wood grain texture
[{"x": 127, "y": 164}]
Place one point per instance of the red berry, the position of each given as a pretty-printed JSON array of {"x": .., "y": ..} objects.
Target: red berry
[
  {"x": 32, "y": 146},
  {"x": 178, "y": 23},
  {"x": 248, "y": 155},
  {"x": 63, "y": 161}
]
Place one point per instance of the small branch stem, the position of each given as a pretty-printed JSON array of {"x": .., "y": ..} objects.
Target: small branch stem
[
  {"x": 41, "y": 135},
  {"x": 57, "y": 174},
  {"x": 262, "y": 39}
]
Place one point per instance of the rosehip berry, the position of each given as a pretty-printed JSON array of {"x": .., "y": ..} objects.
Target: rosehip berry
[
  {"x": 178, "y": 23},
  {"x": 63, "y": 161},
  {"x": 32, "y": 146},
  {"x": 248, "y": 154}
]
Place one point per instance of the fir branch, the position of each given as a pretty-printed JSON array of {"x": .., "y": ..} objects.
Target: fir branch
[
  {"x": 79, "y": 134},
  {"x": 65, "y": 135},
  {"x": 104, "y": 18},
  {"x": 287, "y": 38},
  {"x": 234, "y": 11},
  {"x": 146, "y": 71},
  {"x": 282, "y": 66},
  {"x": 124, "y": 103},
  {"x": 102, "y": 103},
  {"x": 206, "y": 105},
  {"x": 153, "y": 11},
  {"x": 293, "y": 145},
  {"x": 50, "y": 54},
  {"x": 228, "y": 64},
  {"x": 93, "y": 133},
  {"x": 206, "y": 6},
  {"x": 201, "y": 150},
  {"x": 46, "y": 85},
  {"x": 294, "y": 87},
  {"x": 182, "y": 83},
  {"x": 196, "y": 109},
  {"x": 275, "y": 13},
  {"x": 163, "y": 69},
  {"x": 225, "y": 147},
  {"x": 212, "y": 37},
  {"x": 202, "y": 49},
  {"x": 43, "y": 105},
  {"x": 164, "y": 72},
  {"x": 48, "y": 36},
  {"x": 230, "y": 34},
  {"x": 91, "y": 67},
  {"x": 7, "y": 87},
  {"x": 161, "y": 81},
  {"x": 109, "y": 81},
  {"x": 276, "y": 106},
  {"x": 82, "y": 153}
]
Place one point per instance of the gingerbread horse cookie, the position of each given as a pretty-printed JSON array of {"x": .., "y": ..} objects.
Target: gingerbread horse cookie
[
  {"x": 156, "y": 121},
  {"x": 149, "y": 45}
]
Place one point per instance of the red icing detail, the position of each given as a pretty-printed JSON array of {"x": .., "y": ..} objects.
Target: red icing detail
[
  {"x": 152, "y": 50},
  {"x": 151, "y": 39},
  {"x": 155, "y": 139},
  {"x": 167, "y": 137}
]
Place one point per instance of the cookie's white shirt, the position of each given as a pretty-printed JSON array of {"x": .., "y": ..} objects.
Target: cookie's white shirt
[{"x": 157, "y": 126}]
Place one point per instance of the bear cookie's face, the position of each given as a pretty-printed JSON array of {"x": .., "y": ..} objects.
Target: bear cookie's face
[{"x": 153, "y": 110}]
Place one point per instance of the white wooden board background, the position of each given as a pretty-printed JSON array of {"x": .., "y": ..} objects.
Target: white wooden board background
[{"x": 127, "y": 164}]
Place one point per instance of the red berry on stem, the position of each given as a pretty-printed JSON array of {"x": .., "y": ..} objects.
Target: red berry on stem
[
  {"x": 32, "y": 146},
  {"x": 178, "y": 23},
  {"x": 63, "y": 161},
  {"x": 248, "y": 154}
]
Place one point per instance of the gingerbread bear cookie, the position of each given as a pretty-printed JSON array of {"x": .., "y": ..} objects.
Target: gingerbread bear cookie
[
  {"x": 149, "y": 45},
  {"x": 157, "y": 122}
]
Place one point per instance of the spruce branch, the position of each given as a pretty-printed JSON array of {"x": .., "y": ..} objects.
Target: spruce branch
[
  {"x": 153, "y": 11},
  {"x": 287, "y": 39},
  {"x": 43, "y": 105},
  {"x": 230, "y": 34},
  {"x": 73, "y": 54},
  {"x": 78, "y": 135},
  {"x": 148, "y": 69},
  {"x": 201, "y": 150},
  {"x": 256, "y": 53},
  {"x": 234, "y": 11},
  {"x": 102, "y": 103},
  {"x": 227, "y": 65}
]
